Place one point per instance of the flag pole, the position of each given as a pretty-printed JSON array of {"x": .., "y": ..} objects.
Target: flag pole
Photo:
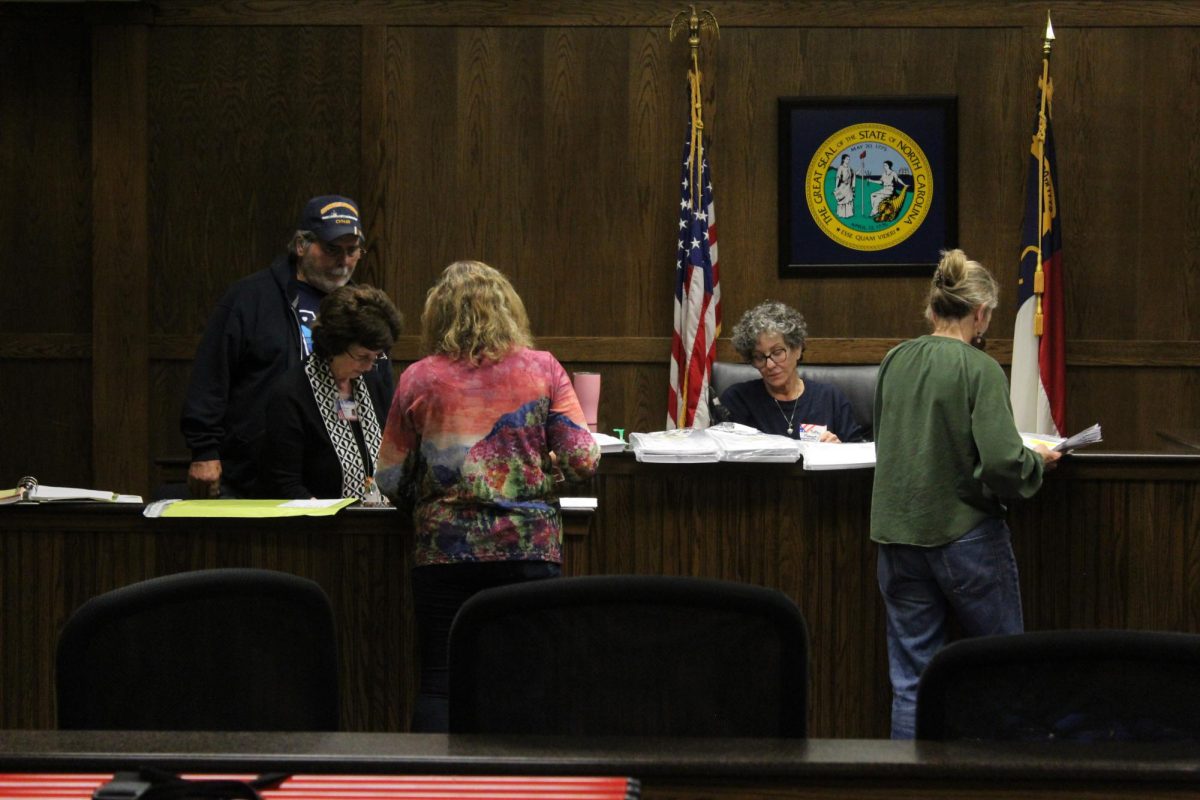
[
  {"x": 695, "y": 21},
  {"x": 1039, "y": 278}
]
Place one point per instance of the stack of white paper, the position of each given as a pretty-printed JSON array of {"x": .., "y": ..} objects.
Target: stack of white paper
[
  {"x": 681, "y": 446},
  {"x": 838, "y": 455},
  {"x": 1082, "y": 439},
  {"x": 609, "y": 444},
  {"x": 743, "y": 443}
]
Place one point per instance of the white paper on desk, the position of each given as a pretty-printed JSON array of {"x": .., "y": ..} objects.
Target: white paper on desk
[
  {"x": 312, "y": 502},
  {"x": 838, "y": 455},
  {"x": 742, "y": 443},
  {"x": 578, "y": 503},
  {"x": 43, "y": 493},
  {"x": 609, "y": 444},
  {"x": 154, "y": 510},
  {"x": 681, "y": 446}
]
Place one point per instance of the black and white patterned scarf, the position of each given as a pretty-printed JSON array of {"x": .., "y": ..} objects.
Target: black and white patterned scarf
[{"x": 341, "y": 432}]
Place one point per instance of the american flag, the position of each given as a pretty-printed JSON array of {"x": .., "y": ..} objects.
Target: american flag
[
  {"x": 1039, "y": 346},
  {"x": 697, "y": 289}
]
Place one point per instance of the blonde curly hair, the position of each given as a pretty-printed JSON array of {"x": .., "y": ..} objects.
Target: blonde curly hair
[{"x": 473, "y": 313}]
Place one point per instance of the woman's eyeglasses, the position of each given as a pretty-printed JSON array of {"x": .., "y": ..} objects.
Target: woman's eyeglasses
[
  {"x": 778, "y": 355},
  {"x": 366, "y": 359}
]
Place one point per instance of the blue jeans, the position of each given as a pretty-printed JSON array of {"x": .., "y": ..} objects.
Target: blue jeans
[
  {"x": 975, "y": 576},
  {"x": 439, "y": 591}
]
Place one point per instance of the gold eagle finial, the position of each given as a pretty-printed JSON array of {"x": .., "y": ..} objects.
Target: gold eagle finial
[{"x": 694, "y": 21}]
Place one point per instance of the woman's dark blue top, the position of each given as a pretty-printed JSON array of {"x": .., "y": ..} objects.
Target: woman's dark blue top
[{"x": 749, "y": 403}]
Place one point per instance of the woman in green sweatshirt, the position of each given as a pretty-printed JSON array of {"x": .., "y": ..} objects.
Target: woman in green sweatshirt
[{"x": 947, "y": 453}]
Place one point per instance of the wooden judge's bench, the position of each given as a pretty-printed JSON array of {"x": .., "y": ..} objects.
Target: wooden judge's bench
[{"x": 1111, "y": 541}]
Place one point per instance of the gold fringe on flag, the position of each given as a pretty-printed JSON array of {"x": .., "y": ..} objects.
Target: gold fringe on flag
[
  {"x": 1047, "y": 87},
  {"x": 695, "y": 22}
]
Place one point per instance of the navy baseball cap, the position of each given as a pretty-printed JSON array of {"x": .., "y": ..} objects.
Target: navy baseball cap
[{"x": 331, "y": 216}]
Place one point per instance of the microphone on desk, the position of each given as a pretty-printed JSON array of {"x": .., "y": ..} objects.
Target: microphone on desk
[{"x": 720, "y": 412}]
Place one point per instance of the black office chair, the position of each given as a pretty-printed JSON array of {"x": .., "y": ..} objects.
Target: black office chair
[
  {"x": 629, "y": 656},
  {"x": 1102, "y": 685},
  {"x": 220, "y": 649}
]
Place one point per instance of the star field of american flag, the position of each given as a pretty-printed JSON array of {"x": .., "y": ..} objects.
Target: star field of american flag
[{"x": 697, "y": 295}]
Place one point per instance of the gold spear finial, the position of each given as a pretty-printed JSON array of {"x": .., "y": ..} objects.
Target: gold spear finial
[{"x": 1048, "y": 37}]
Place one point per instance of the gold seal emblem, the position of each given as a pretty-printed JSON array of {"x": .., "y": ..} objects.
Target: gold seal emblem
[{"x": 869, "y": 186}]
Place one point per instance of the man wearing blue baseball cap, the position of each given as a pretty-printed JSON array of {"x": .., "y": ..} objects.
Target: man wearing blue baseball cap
[{"x": 260, "y": 328}]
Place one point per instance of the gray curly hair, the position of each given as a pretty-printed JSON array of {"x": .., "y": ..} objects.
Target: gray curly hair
[{"x": 768, "y": 317}]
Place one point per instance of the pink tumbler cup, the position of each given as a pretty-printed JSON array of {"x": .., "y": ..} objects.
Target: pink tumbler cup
[{"x": 587, "y": 389}]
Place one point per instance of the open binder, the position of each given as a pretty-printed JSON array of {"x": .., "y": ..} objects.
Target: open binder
[{"x": 28, "y": 490}]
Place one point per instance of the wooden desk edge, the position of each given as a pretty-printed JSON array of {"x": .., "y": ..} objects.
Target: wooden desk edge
[{"x": 770, "y": 760}]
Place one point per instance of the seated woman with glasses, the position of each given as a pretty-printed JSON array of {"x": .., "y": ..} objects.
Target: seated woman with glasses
[
  {"x": 324, "y": 422},
  {"x": 771, "y": 337}
]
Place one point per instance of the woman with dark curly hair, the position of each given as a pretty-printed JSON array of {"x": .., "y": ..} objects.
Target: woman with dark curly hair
[
  {"x": 771, "y": 337},
  {"x": 324, "y": 422}
]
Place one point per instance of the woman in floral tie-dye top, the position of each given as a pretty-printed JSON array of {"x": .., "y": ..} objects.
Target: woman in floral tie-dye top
[{"x": 475, "y": 437}]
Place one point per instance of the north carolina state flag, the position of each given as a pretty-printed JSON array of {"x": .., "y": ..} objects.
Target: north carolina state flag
[{"x": 1038, "y": 360}]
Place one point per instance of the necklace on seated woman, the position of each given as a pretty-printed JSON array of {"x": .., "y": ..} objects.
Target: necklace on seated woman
[{"x": 790, "y": 420}]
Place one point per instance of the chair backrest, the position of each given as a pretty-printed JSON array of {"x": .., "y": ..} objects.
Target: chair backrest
[
  {"x": 857, "y": 382},
  {"x": 220, "y": 649},
  {"x": 1064, "y": 685},
  {"x": 629, "y": 656}
]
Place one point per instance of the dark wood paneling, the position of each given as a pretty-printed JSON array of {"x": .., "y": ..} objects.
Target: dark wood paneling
[
  {"x": 45, "y": 178},
  {"x": 168, "y": 388},
  {"x": 47, "y": 431},
  {"x": 497, "y": 80},
  {"x": 46, "y": 345},
  {"x": 245, "y": 125},
  {"x": 1133, "y": 403},
  {"x": 420, "y": 229},
  {"x": 51, "y": 562},
  {"x": 544, "y": 137},
  {"x": 1128, "y": 199},
  {"x": 730, "y": 13},
  {"x": 120, "y": 243},
  {"x": 1108, "y": 543},
  {"x": 379, "y": 155}
]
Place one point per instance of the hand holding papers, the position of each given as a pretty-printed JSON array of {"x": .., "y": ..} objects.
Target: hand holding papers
[{"x": 1084, "y": 438}]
